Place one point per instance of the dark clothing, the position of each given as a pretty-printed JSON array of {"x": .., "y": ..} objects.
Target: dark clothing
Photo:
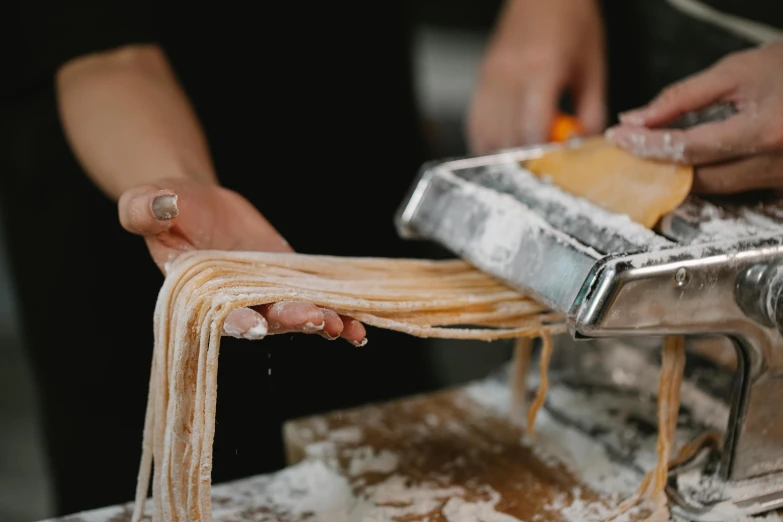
[
  {"x": 769, "y": 12},
  {"x": 309, "y": 112},
  {"x": 308, "y": 106}
]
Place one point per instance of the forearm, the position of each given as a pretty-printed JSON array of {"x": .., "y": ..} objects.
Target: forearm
[
  {"x": 515, "y": 12},
  {"x": 128, "y": 120}
]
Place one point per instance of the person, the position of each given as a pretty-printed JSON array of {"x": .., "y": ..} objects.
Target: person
[
  {"x": 596, "y": 58},
  {"x": 207, "y": 128},
  {"x": 311, "y": 122}
]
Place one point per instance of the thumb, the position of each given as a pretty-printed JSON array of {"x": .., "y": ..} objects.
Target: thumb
[
  {"x": 148, "y": 210},
  {"x": 538, "y": 108},
  {"x": 758, "y": 172}
]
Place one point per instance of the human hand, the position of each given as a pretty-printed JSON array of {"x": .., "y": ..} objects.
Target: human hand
[
  {"x": 175, "y": 216},
  {"x": 741, "y": 153},
  {"x": 539, "y": 50}
]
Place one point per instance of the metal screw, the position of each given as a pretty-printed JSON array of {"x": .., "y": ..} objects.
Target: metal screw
[{"x": 680, "y": 277}]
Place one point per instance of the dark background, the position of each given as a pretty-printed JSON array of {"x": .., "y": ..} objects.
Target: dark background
[{"x": 450, "y": 39}]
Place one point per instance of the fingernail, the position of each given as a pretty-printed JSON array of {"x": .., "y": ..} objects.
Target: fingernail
[
  {"x": 635, "y": 117},
  {"x": 312, "y": 328},
  {"x": 532, "y": 134},
  {"x": 298, "y": 314},
  {"x": 244, "y": 323},
  {"x": 359, "y": 344},
  {"x": 328, "y": 337},
  {"x": 165, "y": 206}
]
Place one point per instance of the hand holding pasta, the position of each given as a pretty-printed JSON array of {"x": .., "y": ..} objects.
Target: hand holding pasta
[{"x": 176, "y": 216}]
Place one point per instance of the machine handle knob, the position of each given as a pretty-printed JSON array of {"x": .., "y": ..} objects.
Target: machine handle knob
[{"x": 759, "y": 293}]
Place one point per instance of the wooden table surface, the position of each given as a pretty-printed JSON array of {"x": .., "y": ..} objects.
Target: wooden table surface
[
  {"x": 455, "y": 455},
  {"x": 437, "y": 457}
]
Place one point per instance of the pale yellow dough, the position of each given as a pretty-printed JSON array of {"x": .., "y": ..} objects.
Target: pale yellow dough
[{"x": 616, "y": 180}]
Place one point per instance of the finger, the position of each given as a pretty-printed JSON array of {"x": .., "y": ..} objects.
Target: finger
[
  {"x": 708, "y": 143},
  {"x": 763, "y": 171},
  {"x": 477, "y": 123},
  {"x": 491, "y": 124},
  {"x": 333, "y": 325},
  {"x": 591, "y": 100},
  {"x": 293, "y": 316},
  {"x": 245, "y": 323},
  {"x": 693, "y": 93},
  {"x": 474, "y": 131},
  {"x": 537, "y": 110},
  {"x": 353, "y": 331},
  {"x": 147, "y": 210},
  {"x": 164, "y": 254},
  {"x": 645, "y": 143}
]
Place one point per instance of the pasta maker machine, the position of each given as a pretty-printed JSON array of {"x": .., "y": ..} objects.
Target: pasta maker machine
[{"x": 710, "y": 267}]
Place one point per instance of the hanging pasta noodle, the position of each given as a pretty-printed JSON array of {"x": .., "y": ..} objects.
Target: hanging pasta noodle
[
  {"x": 606, "y": 175},
  {"x": 653, "y": 485},
  {"x": 448, "y": 299},
  {"x": 523, "y": 348},
  {"x": 543, "y": 366}
]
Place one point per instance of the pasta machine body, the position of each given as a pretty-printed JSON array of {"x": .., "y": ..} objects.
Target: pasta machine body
[{"x": 709, "y": 268}]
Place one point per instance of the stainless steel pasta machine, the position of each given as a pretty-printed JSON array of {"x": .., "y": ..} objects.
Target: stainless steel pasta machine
[{"x": 710, "y": 267}]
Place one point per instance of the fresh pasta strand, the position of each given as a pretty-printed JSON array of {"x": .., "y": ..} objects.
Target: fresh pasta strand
[
  {"x": 709, "y": 439},
  {"x": 448, "y": 299},
  {"x": 520, "y": 364},
  {"x": 543, "y": 387},
  {"x": 601, "y": 173},
  {"x": 653, "y": 485}
]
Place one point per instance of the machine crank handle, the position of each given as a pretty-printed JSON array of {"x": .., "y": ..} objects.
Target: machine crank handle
[{"x": 759, "y": 293}]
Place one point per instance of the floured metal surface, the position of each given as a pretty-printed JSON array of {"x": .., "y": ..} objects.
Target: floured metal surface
[
  {"x": 698, "y": 221},
  {"x": 537, "y": 237},
  {"x": 584, "y": 221},
  {"x": 502, "y": 236},
  {"x": 709, "y": 268}
]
